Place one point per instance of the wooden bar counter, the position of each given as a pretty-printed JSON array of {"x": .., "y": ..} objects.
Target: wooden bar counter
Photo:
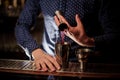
[{"x": 93, "y": 70}]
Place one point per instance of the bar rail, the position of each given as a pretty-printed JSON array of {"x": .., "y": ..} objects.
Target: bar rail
[{"x": 93, "y": 70}]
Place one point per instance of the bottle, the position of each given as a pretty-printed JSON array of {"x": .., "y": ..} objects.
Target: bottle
[{"x": 62, "y": 26}]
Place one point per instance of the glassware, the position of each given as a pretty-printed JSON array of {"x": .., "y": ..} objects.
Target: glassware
[
  {"x": 62, "y": 51},
  {"x": 82, "y": 56}
]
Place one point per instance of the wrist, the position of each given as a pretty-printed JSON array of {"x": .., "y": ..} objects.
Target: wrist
[
  {"x": 90, "y": 41},
  {"x": 87, "y": 41},
  {"x": 36, "y": 52}
]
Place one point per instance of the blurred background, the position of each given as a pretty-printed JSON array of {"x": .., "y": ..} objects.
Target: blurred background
[{"x": 9, "y": 13}]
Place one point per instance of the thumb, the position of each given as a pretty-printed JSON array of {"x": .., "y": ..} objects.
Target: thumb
[{"x": 79, "y": 23}]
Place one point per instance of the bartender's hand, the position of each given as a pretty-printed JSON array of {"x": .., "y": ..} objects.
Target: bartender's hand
[
  {"x": 78, "y": 30},
  {"x": 44, "y": 61}
]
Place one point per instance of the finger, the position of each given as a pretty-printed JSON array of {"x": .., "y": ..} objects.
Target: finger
[
  {"x": 56, "y": 20},
  {"x": 50, "y": 65},
  {"x": 54, "y": 62},
  {"x": 44, "y": 67},
  {"x": 58, "y": 13},
  {"x": 38, "y": 67},
  {"x": 64, "y": 20},
  {"x": 78, "y": 20},
  {"x": 58, "y": 59},
  {"x": 79, "y": 23}
]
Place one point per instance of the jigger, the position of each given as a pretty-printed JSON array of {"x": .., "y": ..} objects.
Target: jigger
[{"x": 82, "y": 56}]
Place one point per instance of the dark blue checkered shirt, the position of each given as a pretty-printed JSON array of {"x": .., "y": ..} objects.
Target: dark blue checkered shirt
[{"x": 96, "y": 16}]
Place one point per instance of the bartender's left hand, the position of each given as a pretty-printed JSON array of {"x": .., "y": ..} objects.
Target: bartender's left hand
[{"x": 77, "y": 30}]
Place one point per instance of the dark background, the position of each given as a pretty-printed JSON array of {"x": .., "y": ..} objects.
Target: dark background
[{"x": 8, "y": 17}]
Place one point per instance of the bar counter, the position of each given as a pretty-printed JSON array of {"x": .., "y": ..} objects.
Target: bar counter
[{"x": 93, "y": 70}]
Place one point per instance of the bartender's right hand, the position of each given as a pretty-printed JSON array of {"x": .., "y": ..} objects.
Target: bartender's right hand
[{"x": 45, "y": 62}]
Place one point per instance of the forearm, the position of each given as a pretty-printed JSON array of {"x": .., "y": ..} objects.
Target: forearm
[
  {"x": 25, "y": 21},
  {"x": 24, "y": 38}
]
